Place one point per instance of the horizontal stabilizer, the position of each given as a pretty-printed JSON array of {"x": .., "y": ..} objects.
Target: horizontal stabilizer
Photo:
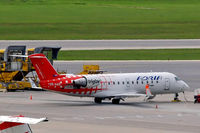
[{"x": 20, "y": 119}]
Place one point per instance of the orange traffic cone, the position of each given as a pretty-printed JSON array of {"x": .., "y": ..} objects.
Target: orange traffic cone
[
  {"x": 156, "y": 106},
  {"x": 31, "y": 97}
]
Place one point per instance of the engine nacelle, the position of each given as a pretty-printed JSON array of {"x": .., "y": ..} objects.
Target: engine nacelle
[
  {"x": 80, "y": 82},
  {"x": 87, "y": 81}
]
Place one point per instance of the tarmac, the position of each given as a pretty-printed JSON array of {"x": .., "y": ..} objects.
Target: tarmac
[{"x": 75, "y": 115}]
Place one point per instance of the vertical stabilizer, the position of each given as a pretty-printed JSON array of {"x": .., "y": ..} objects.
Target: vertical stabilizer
[
  {"x": 10, "y": 127},
  {"x": 43, "y": 67}
]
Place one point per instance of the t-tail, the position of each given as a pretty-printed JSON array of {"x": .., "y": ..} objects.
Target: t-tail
[{"x": 43, "y": 67}]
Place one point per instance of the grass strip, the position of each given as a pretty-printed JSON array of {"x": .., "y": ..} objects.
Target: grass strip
[
  {"x": 149, "y": 54},
  {"x": 99, "y": 19}
]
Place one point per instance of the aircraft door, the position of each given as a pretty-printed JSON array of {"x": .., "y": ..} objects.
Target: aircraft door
[
  {"x": 104, "y": 82},
  {"x": 167, "y": 83}
]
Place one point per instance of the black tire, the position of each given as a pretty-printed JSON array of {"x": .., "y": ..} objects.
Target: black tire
[
  {"x": 115, "y": 101},
  {"x": 195, "y": 101},
  {"x": 98, "y": 100}
]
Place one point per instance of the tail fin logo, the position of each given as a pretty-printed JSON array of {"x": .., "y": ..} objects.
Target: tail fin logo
[{"x": 55, "y": 75}]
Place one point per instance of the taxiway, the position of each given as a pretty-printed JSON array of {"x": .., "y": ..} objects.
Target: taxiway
[
  {"x": 106, "y": 44},
  {"x": 75, "y": 115}
]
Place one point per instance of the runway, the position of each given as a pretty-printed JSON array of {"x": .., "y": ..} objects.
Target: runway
[{"x": 106, "y": 44}]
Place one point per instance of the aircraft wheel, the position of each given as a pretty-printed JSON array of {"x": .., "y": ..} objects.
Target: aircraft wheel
[
  {"x": 115, "y": 101},
  {"x": 97, "y": 100}
]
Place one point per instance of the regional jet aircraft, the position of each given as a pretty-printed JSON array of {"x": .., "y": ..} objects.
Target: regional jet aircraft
[{"x": 107, "y": 86}]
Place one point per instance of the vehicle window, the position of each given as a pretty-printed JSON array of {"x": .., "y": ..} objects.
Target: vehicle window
[
  {"x": 118, "y": 83},
  {"x": 137, "y": 82},
  {"x": 132, "y": 82},
  {"x": 123, "y": 82},
  {"x": 127, "y": 82},
  {"x": 113, "y": 82},
  {"x": 157, "y": 81}
]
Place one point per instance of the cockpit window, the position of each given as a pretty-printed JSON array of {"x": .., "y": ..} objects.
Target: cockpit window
[{"x": 177, "y": 79}]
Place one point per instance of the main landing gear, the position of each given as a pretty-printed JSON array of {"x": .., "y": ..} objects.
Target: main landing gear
[
  {"x": 176, "y": 99},
  {"x": 98, "y": 100},
  {"x": 114, "y": 100}
]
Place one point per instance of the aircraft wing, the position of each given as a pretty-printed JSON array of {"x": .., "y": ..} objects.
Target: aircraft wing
[
  {"x": 129, "y": 94},
  {"x": 22, "y": 119}
]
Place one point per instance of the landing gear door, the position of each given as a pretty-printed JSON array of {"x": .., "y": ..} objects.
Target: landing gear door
[{"x": 167, "y": 83}]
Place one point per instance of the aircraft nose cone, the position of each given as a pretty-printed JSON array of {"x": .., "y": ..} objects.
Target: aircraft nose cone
[{"x": 186, "y": 87}]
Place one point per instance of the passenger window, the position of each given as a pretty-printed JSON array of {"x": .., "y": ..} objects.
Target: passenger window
[
  {"x": 157, "y": 81},
  {"x": 113, "y": 82},
  {"x": 152, "y": 81},
  {"x": 142, "y": 82},
  {"x": 123, "y": 82},
  {"x": 118, "y": 83},
  {"x": 147, "y": 82},
  {"x": 127, "y": 82},
  {"x": 108, "y": 83},
  {"x": 137, "y": 82},
  {"x": 132, "y": 82}
]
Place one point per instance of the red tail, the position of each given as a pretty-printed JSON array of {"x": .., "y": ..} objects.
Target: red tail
[
  {"x": 43, "y": 67},
  {"x": 12, "y": 127}
]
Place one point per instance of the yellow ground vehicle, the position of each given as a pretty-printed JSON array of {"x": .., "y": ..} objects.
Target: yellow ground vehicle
[
  {"x": 91, "y": 69},
  {"x": 13, "y": 69}
]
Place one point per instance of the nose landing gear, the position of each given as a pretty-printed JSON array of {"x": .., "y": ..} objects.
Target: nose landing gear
[{"x": 176, "y": 99}]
